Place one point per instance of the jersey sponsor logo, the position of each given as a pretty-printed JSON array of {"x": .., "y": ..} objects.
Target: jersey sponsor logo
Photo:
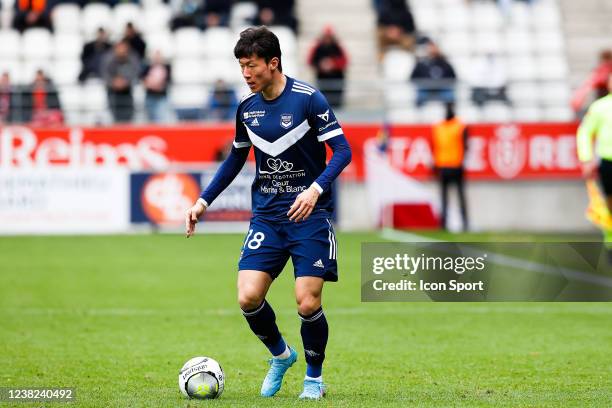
[
  {"x": 324, "y": 116},
  {"x": 278, "y": 166},
  {"x": 253, "y": 114},
  {"x": 255, "y": 122},
  {"x": 322, "y": 128},
  {"x": 286, "y": 120}
]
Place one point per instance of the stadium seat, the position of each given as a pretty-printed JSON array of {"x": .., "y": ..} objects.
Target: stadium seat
[
  {"x": 546, "y": 15},
  {"x": 454, "y": 18},
  {"x": 13, "y": 67},
  {"x": 397, "y": 65},
  {"x": 219, "y": 42},
  {"x": 70, "y": 99},
  {"x": 67, "y": 45},
  {"x": 518, "y": 42},
  {"x": 527, "y": 113},
  {"x": 552, "y": 68},
  {"x": 427, "y": 18},
  {"x": 95, "y": 98},
  {"x": 156, "y": 19},
  {"x": 488, "y": 41},
  {"x": 30, "y": 66},
  {"x": 11, "y": 44},
  {"x": 66, "y": 18},
  {"x": 457, "y": 44},
  {"x": 188, "y": 42},
  {"x": 124, "y": 13},
  {"x": 402, "y": 115},
  {"x": 399, "y": 94},
  {"x": 469, "y": 113},
  {"x": 287, "y": 39},
  {"x": 555, "y": 92},
  {"x": 219, "y": 68},
  {"x": 94, "y": 16},
  {"x": 162, "y": 41},
  {"x": 559, "y": 114},
  {"x": 432, "y": 112},
  {"x": 66, "y": 71},
  {"x": 486, "y": 16},
  {"x": 523, "y": 93},
  {"x": 36, "y": 44},
  {"x": 187, "y": 71},
  {"x": 242, "y": 14},
  {"x": 522, "y": 68},
  {"x": 520, "y": 15},
  {"x": 549, "y": 42},
  {"x": 189, "y": 101},
  {"x": 496, "y": 112}
]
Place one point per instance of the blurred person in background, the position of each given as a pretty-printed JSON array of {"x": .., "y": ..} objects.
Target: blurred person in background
[
  {"x": 121, "y": 69},
  {"x": 597, "y": 81},
  {"x": 216, "y": 13},
  {"x": 186, "y": 13},
  {"x": 92, "y": 55},
  {"x": 489, "y": 80},
  {"x": 396, "y": 26},
  {"x": 156, "y": 77},
  {"x": 8, "y": 100},
  {"x": 134, "y": 38},
  {"x": 276, "y": 12},
  {"x": 329, "y": 61},
  {"x": 31, "y": 14},
  {"x": 434, "y": 77},
  {"x": 594, "y": 143},
  {"x": 41, "y": 102},
  {"x": 449, "y": 147},
  {"x": 222, "y": 103}
]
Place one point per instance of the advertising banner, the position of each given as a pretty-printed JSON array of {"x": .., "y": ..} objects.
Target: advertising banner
[
  {"x": 495, "y": 151},
  {"x": 60, "y": 200}
]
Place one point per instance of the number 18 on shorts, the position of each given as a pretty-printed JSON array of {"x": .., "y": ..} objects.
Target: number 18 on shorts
[{"x": 311, "y": 244}]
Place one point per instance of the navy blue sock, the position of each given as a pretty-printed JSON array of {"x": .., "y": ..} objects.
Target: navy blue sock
[
  {"x": 262, "y": 322},
  {"x": 314, "y": 337}
]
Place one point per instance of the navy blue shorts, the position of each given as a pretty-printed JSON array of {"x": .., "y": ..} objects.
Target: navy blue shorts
[{"x": 311, "y": 244}]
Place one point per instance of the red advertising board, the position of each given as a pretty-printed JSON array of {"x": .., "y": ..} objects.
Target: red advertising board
[{"x": 513, "y": 151}]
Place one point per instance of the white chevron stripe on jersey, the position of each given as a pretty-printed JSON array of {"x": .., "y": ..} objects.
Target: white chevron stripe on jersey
[
  {"x": 301, "y": 85},
  {"x": 239, "y": 145},
  {"x": 329, "y": 135},
  {"x": 300, "y": 91},
  {"x": 283, "y": 143}
]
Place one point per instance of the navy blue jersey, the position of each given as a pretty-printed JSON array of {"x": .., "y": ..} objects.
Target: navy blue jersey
[{"x": 288, "y": 134}]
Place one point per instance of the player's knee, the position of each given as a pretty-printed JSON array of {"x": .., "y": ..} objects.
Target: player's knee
[
  {"x": 308, "y": 304},
  {"x": 249, "y": 300}
]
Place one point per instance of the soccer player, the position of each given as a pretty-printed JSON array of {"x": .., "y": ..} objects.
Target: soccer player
[
  {"x": 597, "y": 124},
  {"x": 288, "y": 122}
]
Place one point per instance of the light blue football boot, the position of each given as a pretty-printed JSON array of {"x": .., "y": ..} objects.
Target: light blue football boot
[
  {"x": 274, "y": 379},
  {"x": 313, "y": 390}
]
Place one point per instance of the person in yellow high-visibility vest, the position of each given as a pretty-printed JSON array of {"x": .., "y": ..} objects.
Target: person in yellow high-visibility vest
[
  {"x": 594, "y": 142},
  {"x": 449, "y": 146}
]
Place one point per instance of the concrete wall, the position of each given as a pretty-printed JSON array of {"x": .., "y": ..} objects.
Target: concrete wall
[{"x": 510, "y": 206}]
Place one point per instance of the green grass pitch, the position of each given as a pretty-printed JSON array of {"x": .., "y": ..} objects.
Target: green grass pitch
[{"x": 117, "y": 316}]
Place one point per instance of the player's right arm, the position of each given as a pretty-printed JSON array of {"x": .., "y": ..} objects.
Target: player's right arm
[
  {"x": 223, "y": 177},
  {"x": 584, "y": 142}
]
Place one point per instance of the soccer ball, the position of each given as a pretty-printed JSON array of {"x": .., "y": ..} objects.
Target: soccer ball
[{"x": 201, "y": 378}]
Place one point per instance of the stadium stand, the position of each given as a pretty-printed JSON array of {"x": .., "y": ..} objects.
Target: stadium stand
[{"x": 529, "y": 40}]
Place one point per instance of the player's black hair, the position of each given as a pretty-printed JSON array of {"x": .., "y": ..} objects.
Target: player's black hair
[{"x": 261, "y": 42}]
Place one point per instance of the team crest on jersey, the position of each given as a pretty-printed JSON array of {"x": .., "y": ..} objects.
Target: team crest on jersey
[{"x": 286, "y": 120}]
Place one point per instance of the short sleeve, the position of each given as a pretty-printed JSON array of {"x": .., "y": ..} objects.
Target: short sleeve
[
  {"x": 242, "y": 138},
  {"x": 322, "y": 119}
]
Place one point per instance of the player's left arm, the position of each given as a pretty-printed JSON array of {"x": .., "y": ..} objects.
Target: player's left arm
[{"x": 330, "y": 132}]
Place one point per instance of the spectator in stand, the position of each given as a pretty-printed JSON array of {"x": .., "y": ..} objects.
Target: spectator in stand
[
  {"x": 434, "y": 77},
  {"x": 395, "y": 26},
  {"x": 32, "y": 13},
  {"x": 41, "y": 106},
  {"x": 133, "y": 37},
  {"x": 276, "y": 12},
  {"x": 597, "y": 81},
  {"x": 329, "y": 61},
  {"x": 449, "y": 147},
  {"x": 92, "y": 55},
  {"x": 186, "y": 13},
  {"x": 8, "y": 100},
  {"x": 156, "y": 78},
  {"x": 223, "y": 102},
  {"x": 121, "y": 69},
  {"x": 216, "y": 13},
  {"x": 489, "y": 80}
]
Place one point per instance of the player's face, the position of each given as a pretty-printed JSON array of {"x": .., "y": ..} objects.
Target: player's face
[{"x": 256, "y": 72}]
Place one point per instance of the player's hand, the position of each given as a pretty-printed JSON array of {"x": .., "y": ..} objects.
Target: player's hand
[
  {"x": 303, "y": 205},
  {"x": 192, "y": 216},
  {"x": 589, "y": 169}
]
